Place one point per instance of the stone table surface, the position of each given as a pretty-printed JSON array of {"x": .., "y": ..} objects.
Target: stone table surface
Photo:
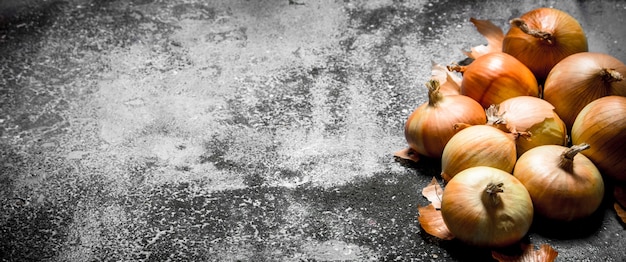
[{"x": 252, "y": 130}]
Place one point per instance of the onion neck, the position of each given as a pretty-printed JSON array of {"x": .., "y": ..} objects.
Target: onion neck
[
  {"x": 494, "y": 118},
  {"x": 456, "y": 68},
  {"x": 434, "y": 95},
  {"x": 567, "y": 158},
  {"x": 610, "y": 75},
  {"x": 490, "y": 196},
  {"x": 522, "y": 25}
]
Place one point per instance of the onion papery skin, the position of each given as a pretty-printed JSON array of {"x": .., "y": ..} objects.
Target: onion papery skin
[
  {"x": 534, "y": 116},
  {"x": 602, "y": 125},
  {"x": 581, "y": 78},
  {"x": 474, "y": 219},
  {"x": 539, "y": 55},
  {"x": 431, "y": 125},
  {"x": 495, "y": 77},
  {"x": 478, "y": 145},
  {"x": 450, "y": 83},
  {"x": 560, "y": 194}
]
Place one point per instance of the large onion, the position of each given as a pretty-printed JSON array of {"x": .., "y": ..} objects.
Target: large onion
[
  {"x": 581, "y": 78},
  {"x": 478, "y": 145},
  {"x": 495, "y": 77},
  {"x": 431, "y": 125},
  {"x": 563, "y": 184},
  {"x": 487, "y": 207},
  {"x": 542, "y": 37},
  {"x": 602, "y": 125},
  {"x": 531, "y": 115}
]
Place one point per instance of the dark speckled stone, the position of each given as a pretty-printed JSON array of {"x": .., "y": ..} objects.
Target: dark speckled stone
[{"x": 150, "y": 130}]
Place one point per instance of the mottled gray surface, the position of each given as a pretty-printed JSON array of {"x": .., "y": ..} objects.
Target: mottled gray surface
[{"x": 251, "y": 130}]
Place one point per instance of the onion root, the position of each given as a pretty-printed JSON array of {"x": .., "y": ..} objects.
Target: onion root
[{"x": 611, "y": 75}]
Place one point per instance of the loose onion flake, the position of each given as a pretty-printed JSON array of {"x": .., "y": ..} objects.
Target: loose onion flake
[
  {"x": 545, "y": 253},
  {"x": 430, "y": 216},
  {"x": 492, "y": 33}
]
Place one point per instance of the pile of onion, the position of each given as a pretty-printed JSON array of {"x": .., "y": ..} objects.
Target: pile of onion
[
  {"x": 542, "y": 37},
  {"x": 486, "y": 207},
  {"x": 431, "y": 125},
  {"x": 550, "y": 139},
  {"x": 602, "y": 125},
  {"x": 563, "y": 184},
  {"x": 582, "y": 78}
]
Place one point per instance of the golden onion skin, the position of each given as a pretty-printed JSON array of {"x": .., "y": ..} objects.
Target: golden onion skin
[
  {"x": 535, "y": 116},
  {"x": 557, "y": 193},
  {"x": 472, "y": 217},
  {"x": 495, "y": 77},
  {"x": 602, "y": 125},
  {"x": 478, "y": 145},
  {"x": 579, "y": 79},
  {"x": 539, "y": 55}
]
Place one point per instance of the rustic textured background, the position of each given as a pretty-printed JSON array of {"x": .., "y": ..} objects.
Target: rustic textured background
[{"x": 239, "y": 130}]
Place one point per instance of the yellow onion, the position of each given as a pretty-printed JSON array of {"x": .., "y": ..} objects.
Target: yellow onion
[
  {"x": 478, "y": 145},
  {"x": 486, "y": 207},
  {"x": 602, "y": 125},
  {"x": 542, "y": 37},
  {"x": 431, "y": 125},
  {"x": 495, "y": 77},
  {"x": 563, "y": 184},
  {"x": 581, "y": 78},
  {"x": 532, "y": 115}
]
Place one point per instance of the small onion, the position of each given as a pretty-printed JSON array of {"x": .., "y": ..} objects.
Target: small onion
[
  {"x": 478, "y": 145},
  {"x": 542, "y": 37},
  {"x": 563, "y": 184},
  {"x": 602, "y": 125},
  {"x": 495, "y": 77},
  {"x": 581, "y": 78},
  {"x": 486, "y": 207},
  {"x": 532, "y": 115},
  {"x": 431, "y": 125}
]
